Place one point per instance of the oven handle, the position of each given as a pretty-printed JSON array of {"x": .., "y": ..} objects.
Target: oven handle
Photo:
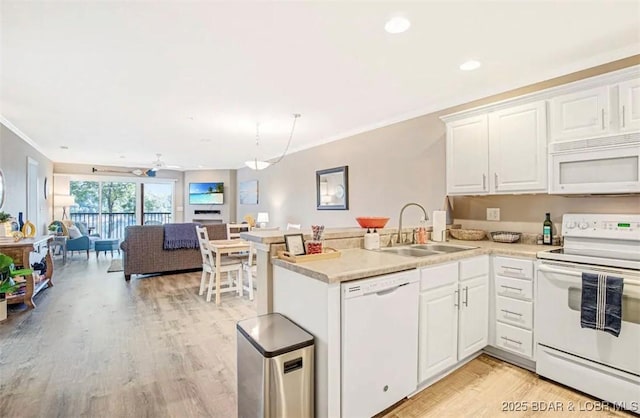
[{"x": 627, "y": 281}]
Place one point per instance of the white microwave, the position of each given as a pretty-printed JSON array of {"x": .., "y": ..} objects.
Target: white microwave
[{"x": 602, "y": 165}]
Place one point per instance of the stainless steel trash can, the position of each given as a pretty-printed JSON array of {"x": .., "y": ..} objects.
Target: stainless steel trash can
[{"x": 275, "y": 368}]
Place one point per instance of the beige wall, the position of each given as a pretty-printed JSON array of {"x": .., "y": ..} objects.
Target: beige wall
[
  {"x": 405, "y": 162},
  {"x": 13, "y": 162},
  {"x": 388, "y": 167}
]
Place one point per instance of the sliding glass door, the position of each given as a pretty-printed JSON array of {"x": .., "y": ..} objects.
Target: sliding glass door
[
  {"x": 157, "y": 203},
  {"x": 108, "y": 207}
]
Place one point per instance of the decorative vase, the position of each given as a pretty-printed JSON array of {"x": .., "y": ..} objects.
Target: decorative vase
[
  {"x": 20, "y": 221},
  {"x": 5, "y": 229}
]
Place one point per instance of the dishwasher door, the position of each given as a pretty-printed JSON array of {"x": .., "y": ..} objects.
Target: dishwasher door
[{"x": 379, "y": 342}]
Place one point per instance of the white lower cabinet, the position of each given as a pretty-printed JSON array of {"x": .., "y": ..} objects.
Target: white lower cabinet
[
  {"x": 474, "y": 316},
  {"x": 514, "y": 290},
  {"x": 453, "y": 319}
]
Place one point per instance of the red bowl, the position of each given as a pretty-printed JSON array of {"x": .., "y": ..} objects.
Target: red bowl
[{"x": 372, "y": 221}]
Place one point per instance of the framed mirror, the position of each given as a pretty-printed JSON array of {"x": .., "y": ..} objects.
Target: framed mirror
[
  {"x": 332, "y": 188},
  {"x": 2, "y": 189}
]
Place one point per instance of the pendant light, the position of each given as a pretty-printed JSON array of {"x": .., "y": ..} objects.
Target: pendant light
[{"x": 256, "y": 164}]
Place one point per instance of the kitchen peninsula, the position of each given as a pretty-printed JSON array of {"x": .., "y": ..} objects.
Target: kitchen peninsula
[{"x": 310, "y": 294}]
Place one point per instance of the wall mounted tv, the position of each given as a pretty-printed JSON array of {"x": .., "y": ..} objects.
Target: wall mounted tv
[{"x": 206, "y": 193}]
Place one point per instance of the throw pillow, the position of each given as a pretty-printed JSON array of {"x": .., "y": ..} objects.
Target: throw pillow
[
  {"x": 74, "y": 232},
  {"x": 82, "y": 227}
]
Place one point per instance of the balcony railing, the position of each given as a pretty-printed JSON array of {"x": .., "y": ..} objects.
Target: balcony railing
[{"x": 114, "y": 223}]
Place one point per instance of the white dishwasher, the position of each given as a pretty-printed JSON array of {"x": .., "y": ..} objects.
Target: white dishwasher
[{"x": 379, "y": 342}]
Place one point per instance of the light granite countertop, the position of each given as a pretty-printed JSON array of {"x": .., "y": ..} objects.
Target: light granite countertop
[
  {"x": 277, "y": 236},
  {"x": 358, "y": 263}
]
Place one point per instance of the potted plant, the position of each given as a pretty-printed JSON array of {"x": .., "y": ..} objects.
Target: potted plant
[
  {"x": 7, "y": 285},
  {"x": 5, "y": 224}
]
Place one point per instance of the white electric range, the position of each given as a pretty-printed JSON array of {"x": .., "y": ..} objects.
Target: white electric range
[{"x": 594, "y": 362}]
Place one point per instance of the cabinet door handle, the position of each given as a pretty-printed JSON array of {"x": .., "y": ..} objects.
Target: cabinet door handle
[
  {"x": 623, "y": 116},
  {"x": 603, "y": 119},
  {"x": 495, "y": 175},
  {"x": 510, "y": 313},
  {"x": 466, "y": 296},
  {"x": 484, "y": 181},
  {"x": 456, "y": 299},
  {"x": 511, "y": 288},
  {"x": 509, "y": 340},
  {"x": 512, "y": 268}
]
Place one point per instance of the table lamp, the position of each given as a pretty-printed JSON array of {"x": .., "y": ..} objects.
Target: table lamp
[
  {"x": 262, "y": 219},
  {"x": 64, "y": 201}
]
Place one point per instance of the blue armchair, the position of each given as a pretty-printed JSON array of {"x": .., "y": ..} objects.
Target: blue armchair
[{"x": 85, "y": 242}]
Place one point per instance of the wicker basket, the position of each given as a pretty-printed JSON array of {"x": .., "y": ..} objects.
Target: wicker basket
[
  {"x": 468, "y": 234},
  {"x": 505, "y": 236}
]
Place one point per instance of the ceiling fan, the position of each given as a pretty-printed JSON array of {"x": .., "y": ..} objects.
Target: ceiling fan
[{"x": 159, "y": 164}]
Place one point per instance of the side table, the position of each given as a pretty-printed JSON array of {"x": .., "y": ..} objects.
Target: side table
[{"x": 59, "y": 246}]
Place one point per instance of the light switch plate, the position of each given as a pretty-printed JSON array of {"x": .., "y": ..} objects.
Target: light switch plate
[{"x": 493, "y": 214}]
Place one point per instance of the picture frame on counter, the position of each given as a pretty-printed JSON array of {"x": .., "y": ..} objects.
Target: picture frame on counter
[
  {"x": 294, "y": 244},
  {"x": 332, "y": 188}
]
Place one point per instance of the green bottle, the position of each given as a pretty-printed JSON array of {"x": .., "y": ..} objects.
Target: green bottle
[{"x": 547, "y": 227}]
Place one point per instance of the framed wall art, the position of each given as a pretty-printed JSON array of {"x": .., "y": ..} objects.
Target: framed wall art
[{"x": 332, "y": 188}]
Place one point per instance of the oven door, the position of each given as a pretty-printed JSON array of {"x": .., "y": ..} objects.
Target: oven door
[
  {"x": 613, "y": 170},
  {"x": 558, "y": 316}
]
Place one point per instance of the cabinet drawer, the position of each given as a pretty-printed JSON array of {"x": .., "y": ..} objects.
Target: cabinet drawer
[
  {"x": 514, "y": 339},
  {"x": 474, "y": 267},
  {"x": 513, "y": 267},
  {"x": 514, "y": 288},
  {"x": 514, "y": 312},
  {"x": 432, "y": 277}
]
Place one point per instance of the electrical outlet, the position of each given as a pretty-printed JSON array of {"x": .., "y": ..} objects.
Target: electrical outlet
[{"x": 493, "y": 214}]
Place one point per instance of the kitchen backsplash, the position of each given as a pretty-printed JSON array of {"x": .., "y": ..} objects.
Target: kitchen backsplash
[{"x": 526, "y": 209}]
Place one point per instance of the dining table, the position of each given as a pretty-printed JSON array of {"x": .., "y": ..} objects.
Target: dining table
[{"x": 226, "y": 247}]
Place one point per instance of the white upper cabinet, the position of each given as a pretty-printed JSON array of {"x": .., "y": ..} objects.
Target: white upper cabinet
[
  {"x": 467, "y": 156},
  {"x": 518, "y": 149},
  {"x": 629, "y": 105},
  {"x": 581, "y": 114}
]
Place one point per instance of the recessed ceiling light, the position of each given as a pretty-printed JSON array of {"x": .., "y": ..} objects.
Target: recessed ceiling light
[
  {"x": 470, "y": 65},
  {"x": 64, "y": 147},
  {"x": 397, "y": 25}
]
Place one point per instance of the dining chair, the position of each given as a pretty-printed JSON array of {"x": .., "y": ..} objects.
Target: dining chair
[
  {"x": 247, "y": 258},
  {"x": 234, "y": 230},
  {"x": 227, "y": 265}
]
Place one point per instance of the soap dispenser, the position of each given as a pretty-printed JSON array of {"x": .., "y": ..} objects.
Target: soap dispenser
[{"x": 372, "y": 240}]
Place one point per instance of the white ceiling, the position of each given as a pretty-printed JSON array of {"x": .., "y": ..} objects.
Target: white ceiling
[{"x": 190, "y": 80}]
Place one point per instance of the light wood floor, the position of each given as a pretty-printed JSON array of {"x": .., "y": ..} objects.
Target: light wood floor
[{"x": 97, "y": 346}]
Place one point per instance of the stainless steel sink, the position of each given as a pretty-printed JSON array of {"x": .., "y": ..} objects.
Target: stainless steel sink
[
  {"x": 410, "y": 252},
  {"x": 425, "y": 250},
  {"x": 444, "y": 248}
]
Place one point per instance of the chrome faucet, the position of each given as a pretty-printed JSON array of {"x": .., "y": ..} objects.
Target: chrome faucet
[{"x": 426, "y": 218}]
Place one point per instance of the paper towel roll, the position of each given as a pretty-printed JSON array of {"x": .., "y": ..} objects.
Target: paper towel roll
[{"x": 439, "y": 225}]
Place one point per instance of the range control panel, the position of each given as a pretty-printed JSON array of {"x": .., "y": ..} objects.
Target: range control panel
[{"x": 615, "y": 226}]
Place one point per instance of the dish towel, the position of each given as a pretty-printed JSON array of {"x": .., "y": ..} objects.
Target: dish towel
[
  {"x": 601, "y": 306},
  {"x": 177, "y": 236}
]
